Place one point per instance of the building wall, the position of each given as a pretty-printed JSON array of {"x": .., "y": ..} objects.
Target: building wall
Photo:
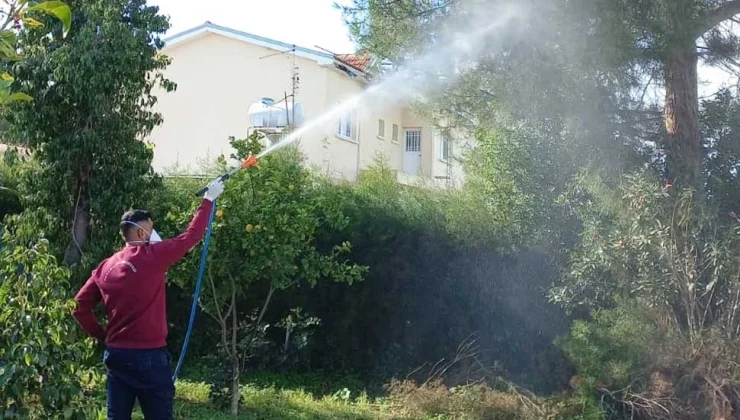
[
  {"x": 337, "y": 156},
  {"x": 218, "y": 79},
  {"x": 391, "y": 149}
]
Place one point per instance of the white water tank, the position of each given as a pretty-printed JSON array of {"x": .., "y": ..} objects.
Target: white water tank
[{"x": 267, "y": 115}]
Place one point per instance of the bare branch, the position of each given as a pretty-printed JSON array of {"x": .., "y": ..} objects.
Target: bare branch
[
  {"x": 729, "y": 65},
  {"x": 234, "y": 325},
  {"x": 215, "y": 298},
  {"x": 433, "y": 9},
  {"x": 644, "y": 91},
  {"x": 264, "y": 307},
  {"x": 257, "y": 324},
  {"x": 11, "y": 14},
  {"x": 720, "y": 14},
  {"x": 221, "y": 320}
]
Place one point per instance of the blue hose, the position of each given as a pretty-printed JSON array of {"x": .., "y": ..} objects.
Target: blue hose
[{"x": 198, "y": 282}]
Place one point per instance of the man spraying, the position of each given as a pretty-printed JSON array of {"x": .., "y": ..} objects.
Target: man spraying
[{"x": 131, "y": 284}]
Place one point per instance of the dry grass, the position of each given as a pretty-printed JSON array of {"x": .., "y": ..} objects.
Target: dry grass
[{"x": 472, "y": 402}]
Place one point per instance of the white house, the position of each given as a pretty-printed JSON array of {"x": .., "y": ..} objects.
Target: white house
[{"x": 230, "y": 83}]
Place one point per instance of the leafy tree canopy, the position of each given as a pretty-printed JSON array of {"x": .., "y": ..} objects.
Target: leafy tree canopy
[{"x": 94, "y": 92}]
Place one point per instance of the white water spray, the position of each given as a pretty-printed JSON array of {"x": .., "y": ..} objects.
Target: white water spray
[{"x": 440, "y": 64}]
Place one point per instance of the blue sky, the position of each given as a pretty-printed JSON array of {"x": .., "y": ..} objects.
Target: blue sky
[{"x": 302, "y": 22}]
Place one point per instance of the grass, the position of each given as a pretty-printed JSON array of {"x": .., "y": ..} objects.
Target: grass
[
  {"x": 315, "y": 383},
  {"x": 408, "y": 401},
  {"x": 192, "y": 402},
  {"x": 273, "y": 396},
  {"x": 280, "y": 396}
]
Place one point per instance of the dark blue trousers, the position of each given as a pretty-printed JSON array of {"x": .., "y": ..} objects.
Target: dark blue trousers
[{"x": 139, "y": 374}]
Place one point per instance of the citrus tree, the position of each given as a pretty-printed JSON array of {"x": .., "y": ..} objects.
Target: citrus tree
[{"x": 264, "y": 242}]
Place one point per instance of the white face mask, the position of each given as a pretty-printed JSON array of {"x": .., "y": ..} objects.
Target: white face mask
[{"x": 153, "y": 236}]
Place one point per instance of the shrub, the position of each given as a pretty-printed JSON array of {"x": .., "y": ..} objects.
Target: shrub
[
  {"x": 617, "y": 348},
  {"x": 658, "y": 269},
  {"x": 40, "y": 351},
  {"x": 440, "y": 270}
]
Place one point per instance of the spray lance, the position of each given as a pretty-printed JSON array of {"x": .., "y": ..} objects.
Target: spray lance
[{"x": 250, "y": 161}]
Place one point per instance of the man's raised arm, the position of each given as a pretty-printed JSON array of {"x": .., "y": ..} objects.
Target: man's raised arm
[{"x": 172, "y": 250}]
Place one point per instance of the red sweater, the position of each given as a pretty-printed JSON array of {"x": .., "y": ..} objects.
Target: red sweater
[{"x": 131, "y": 284}]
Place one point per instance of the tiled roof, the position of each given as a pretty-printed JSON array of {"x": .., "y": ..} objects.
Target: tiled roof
[{"x": 358, "y": 61}]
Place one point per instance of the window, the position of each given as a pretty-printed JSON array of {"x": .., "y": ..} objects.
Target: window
[
  {"x": 381, "y": 129},
  {"x": 395, "y": 133},
  {"x": 412, "y": 155},
  {"x": 444, "y": 148},
  {"x": 345, "y": 128},
  {"x": 413, "y": 140}
]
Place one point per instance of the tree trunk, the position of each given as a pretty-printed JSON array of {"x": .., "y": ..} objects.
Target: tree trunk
[
  {"x": 80, "y": 225},
  {"x": 235, "y": 396},
  {"x": 682, "y": 117},
  {"x": 229, "y": 347}
]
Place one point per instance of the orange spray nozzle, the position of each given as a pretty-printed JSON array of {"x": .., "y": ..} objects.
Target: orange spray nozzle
[{"x": 251, "y": 160}]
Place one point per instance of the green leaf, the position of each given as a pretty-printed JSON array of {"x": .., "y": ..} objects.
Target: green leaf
[
  {"x": 32, "y": 23},
  {"x": 8, "y": 37},
  {"x": 4, "y": 90},
  {"x": 58, "y": 9},
  {"x": 8, "y": 51},
  {"x": 7, "y": 77},
  {"x": 28, "y": 359},
  {"x": 19, "y": 97}
]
